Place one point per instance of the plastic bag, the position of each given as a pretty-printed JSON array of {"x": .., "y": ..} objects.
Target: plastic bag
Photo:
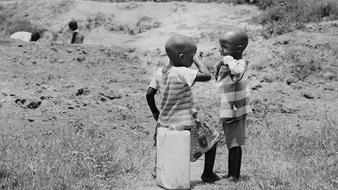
[{"x": 203, "y": 138}]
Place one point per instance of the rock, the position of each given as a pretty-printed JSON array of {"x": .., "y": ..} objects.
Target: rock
[
  {"x": 34, "y": 104},
  {"x": 82, "y": 91},
  {"x": 4, "y": 92},
  {"x": 20, "y": 101},
  {"x": 268, "y": 78},
  {"x": 287, "y": 110},
  {"x": 111, "y": 96},
  {"x": 81, "y": 58},
  {"x": 157, "y": 51},
  {"x": 102, "y": 99},
  {"x": 291, "y": 80},
  {"x": 328, "y": 75},
  {"x": 130, "y": 50},
  {"x": 308, "y": 95},
  {"x": 2, "y": 101},
  {"x": 78, "y": 126},
  {"x": 255, "y": 85}
]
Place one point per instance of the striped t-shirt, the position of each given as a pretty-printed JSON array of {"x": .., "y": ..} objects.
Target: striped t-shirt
[
  {"x": 174, "y": 86},
  {"x": 234, "y": 96}
]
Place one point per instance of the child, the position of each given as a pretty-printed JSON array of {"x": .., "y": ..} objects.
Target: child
[
  {"x": 26, "y": 36},
  {"x": 231, "y": 87},
  {"x": 174, "y": 82},
  {"x": 77, "y": 38}
]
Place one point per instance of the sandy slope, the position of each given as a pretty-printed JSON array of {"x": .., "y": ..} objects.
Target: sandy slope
[{"x": 191, "y": 19}]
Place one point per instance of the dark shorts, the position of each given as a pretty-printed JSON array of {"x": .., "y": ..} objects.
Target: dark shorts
[{"x": 234, "y": 132}]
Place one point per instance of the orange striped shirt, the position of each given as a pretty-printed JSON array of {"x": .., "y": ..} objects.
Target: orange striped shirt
[
  {"x": 174, "y": 87},
  {"x": 234, "y": 97}
]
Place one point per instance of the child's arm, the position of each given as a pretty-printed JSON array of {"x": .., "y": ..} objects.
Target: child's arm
[
  {"x": 218, "y": 67},
  {"x": 222, "y": 70},
  {"x": 203, "y": 72},
  {"x": 151, "y": 102}
]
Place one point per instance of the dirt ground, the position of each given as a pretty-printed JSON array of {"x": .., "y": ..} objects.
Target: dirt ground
[{"x": 96, "y": 92}]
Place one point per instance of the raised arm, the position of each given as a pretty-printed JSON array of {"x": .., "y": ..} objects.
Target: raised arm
[
  {"x": 203, "y": 72},
  {"x": 222, "y": 70},
  {"x": 218, "y": 67}
]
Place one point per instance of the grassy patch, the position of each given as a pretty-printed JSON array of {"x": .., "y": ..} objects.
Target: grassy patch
[
  {"x": 80, "y": 157},
  {"x": 282, "y": 16},
  {"x": 29, "y": 15},
  {"x": 304, "y": 62},
  {"x": 315, "y": 155}
]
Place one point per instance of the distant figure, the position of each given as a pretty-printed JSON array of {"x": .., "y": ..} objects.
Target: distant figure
[
  {"x": 77, "y": 37},
  {"x": 234, "y": 96},
  {"x": 26, "y": 36}
]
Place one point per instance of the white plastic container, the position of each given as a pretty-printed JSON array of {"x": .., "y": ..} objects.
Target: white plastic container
[{"x": 173, "y": 158}]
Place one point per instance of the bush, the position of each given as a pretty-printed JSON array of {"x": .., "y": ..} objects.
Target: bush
[
  {"x": 19, "y": 25},
  {"x": 282, "y": 16}
]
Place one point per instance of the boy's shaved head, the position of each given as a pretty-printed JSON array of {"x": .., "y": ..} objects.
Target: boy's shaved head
[
  {"x": 237, "y": 38},
  {"x": 179, "y": 44},
  {"x": 73, "y": 25}
]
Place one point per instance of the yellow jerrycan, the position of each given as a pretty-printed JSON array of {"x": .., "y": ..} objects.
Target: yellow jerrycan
[{"x": 173, "y": 158}]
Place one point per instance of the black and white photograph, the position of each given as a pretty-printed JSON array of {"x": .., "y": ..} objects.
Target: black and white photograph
[{"x": 168, "y": 94}]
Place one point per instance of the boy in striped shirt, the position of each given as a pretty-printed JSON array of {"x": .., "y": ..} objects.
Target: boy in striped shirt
[
  {"x": 174, "y": 82},
  {"x": 234, "y": 97}
]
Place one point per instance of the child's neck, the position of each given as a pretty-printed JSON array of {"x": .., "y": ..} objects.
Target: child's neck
[
  {"x": 172, "y": 64},
  {"x": 237, "y": 56},
  {"x": 167, "y": 67}
]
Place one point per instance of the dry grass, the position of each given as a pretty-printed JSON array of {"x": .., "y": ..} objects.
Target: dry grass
[
  {"x": 283, "y": 16},
  {"x": 286, "y": 159},
  {"x": 68, "y": 158},
  {"x": 30, "y": 15}
]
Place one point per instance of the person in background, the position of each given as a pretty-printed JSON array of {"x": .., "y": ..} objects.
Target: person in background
[
  {"x": 77, "y": 37},
  {"x": 26, "y": 36}
]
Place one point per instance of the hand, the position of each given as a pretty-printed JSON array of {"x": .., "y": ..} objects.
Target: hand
[
  {"x": 201, "y": 54},
  {"x": 155, "y": 115},
  {"x": 196, "y": 59},
  {"x": 223, "y": 72}
]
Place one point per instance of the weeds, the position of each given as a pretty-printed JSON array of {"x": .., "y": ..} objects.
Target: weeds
[
  {"x": 303, "y": 62},
  {"x": 283, "y": 16},
  {"x": 67, "y": 160},
  {"x": 315, "y": 154},
  {"x": 294, "y": 159}
]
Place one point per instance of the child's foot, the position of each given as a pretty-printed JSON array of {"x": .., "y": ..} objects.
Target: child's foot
[
  {"x": 153, "y": 173},
  {"x": 232, "y": 179},
  {"x": 210, "y": 178}
]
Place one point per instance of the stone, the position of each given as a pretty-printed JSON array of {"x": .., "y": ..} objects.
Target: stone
[{"x": 328, "y": 75}]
